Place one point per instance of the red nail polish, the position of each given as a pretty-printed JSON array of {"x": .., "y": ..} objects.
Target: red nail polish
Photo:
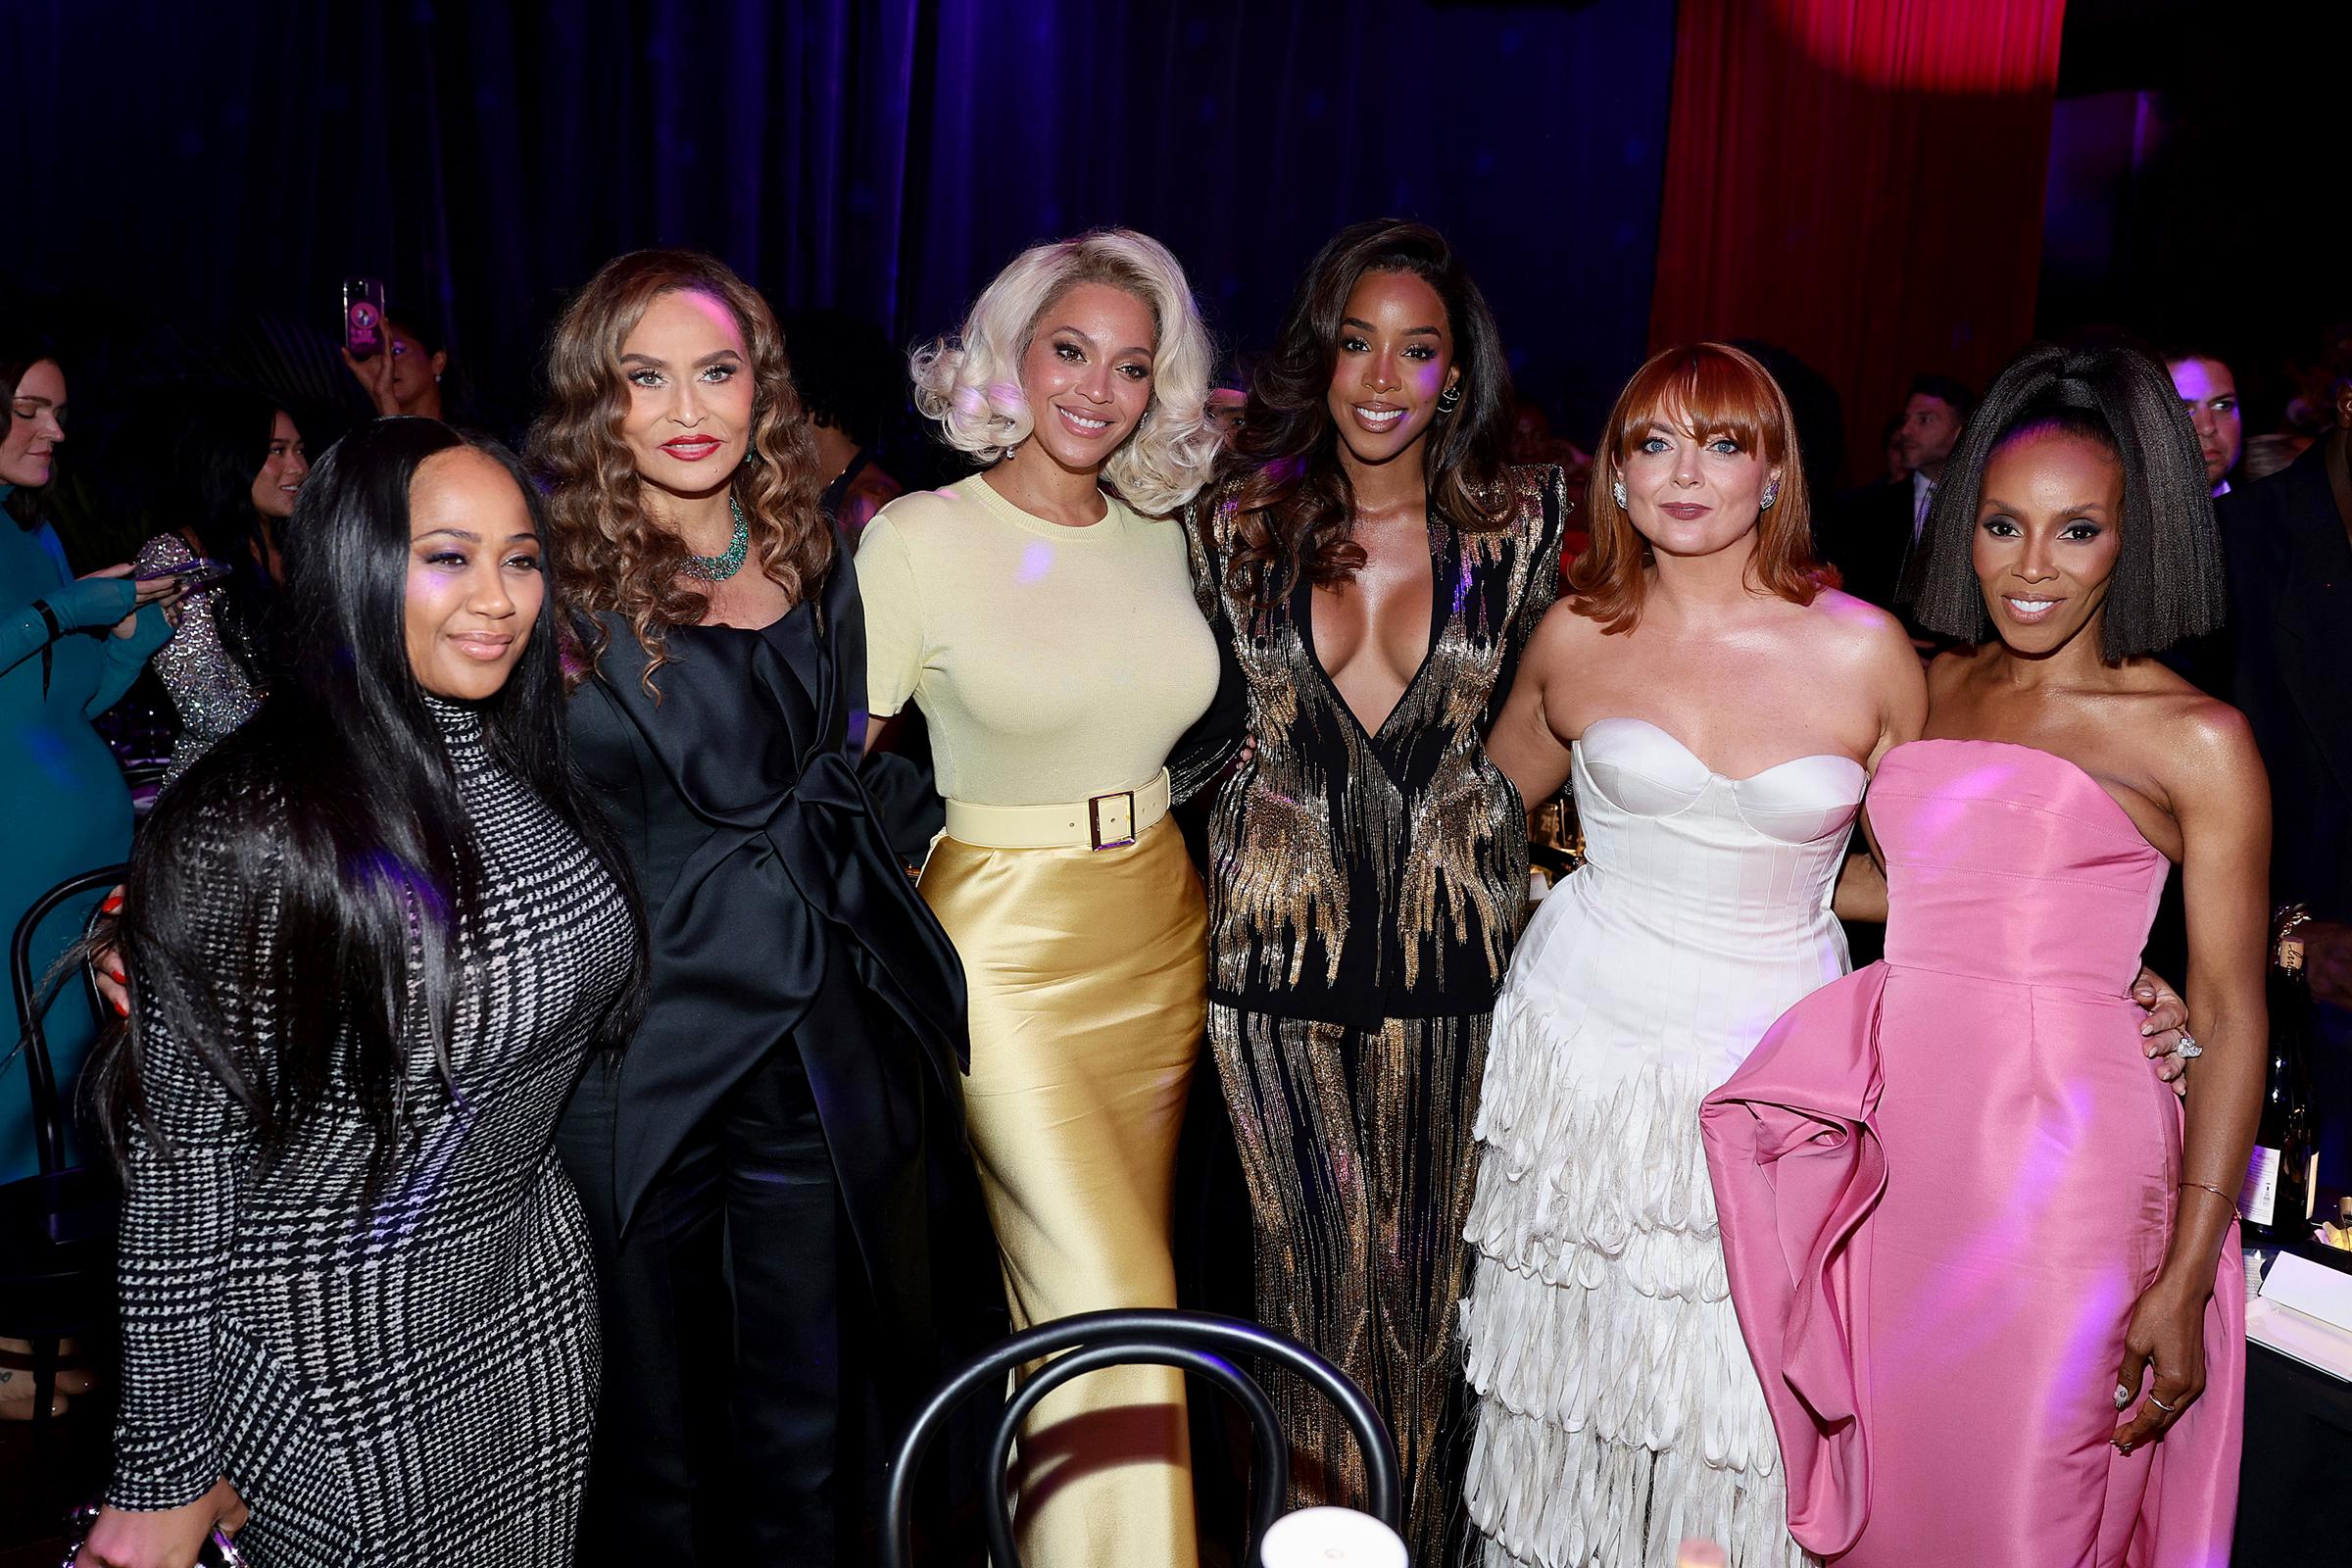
[
  {"x": 123, "y": 1008},
  {"x": 114, "y": 902}
]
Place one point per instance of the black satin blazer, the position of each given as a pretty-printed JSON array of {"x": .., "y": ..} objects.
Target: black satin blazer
[{"x": 776, "y": 912}]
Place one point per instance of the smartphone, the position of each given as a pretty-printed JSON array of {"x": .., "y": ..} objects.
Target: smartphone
[
  {"x": 198, "y": 573},
  {"x": 364, "y": 318}
]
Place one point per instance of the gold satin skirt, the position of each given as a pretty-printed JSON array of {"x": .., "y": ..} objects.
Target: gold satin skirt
[{"x": 1088, "y": 972}]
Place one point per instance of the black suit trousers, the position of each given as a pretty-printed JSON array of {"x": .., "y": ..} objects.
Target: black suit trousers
[{"x": 735, "y": 1417}]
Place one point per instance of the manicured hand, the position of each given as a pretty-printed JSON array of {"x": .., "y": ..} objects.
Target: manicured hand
[
  {"x": 165, "y": 591},
  {"x": 106, "y": 965},
  {"x": 165, "y": 1538},
  {"x": 2161, "y": 1031},
  {"x": 2166, "y": 1337}
]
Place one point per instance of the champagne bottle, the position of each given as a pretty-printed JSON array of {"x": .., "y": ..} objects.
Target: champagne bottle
[{"x": 2281, "y": 1176}]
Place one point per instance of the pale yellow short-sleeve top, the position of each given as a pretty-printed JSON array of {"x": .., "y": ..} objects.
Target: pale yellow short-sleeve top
[{"x": 1053, "y": 663}]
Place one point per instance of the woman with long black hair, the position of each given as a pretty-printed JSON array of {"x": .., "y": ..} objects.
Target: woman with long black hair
[
  {"x": 240, "y": 464},
  {"x": 372, "y": 937},
  {"x": 1372, "y": 569}
]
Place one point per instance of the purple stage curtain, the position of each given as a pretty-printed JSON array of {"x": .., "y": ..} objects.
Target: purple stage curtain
[
  {"x": 1859, "y": 181},
  {"x": 203, "y": 163}
]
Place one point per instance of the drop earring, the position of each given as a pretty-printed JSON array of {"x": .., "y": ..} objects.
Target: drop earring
[
  {"x": 1449, "y": 400},
  {"x": 1617, "y": 493},
  {"x": 1771, "y": 494}
]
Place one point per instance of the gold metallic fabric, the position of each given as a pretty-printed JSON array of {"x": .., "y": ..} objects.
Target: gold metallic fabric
[
  {"x": 1088, "y": 973},
  {"x": 1357, "y": 1150},
  {"x": 1360, "y": 874}
]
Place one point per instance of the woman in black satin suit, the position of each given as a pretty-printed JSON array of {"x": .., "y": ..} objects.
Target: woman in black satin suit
[{"x": 761, "y": 1165}]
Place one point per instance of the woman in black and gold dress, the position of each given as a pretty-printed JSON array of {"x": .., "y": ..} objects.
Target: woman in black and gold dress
[{"x": 1372, "y": 569}]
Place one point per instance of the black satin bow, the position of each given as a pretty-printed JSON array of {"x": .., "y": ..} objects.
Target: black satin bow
[{"x": 793, "y": 919}]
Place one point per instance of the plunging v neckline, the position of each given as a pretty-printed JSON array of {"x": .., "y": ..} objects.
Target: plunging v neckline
[{"x": 1440, "y": 611}]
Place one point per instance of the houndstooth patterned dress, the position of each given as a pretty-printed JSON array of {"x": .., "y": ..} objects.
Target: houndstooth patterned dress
[{"x": 410, "y": 1384}]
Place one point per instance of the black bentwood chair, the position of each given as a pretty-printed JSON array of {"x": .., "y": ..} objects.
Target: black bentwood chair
[
  {"x": 1196, "y": 1342},
  {"x": 57, "y": 1228}
]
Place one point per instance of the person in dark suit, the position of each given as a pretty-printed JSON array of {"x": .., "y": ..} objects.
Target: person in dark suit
[
  {"x": 2288, "y": 540},
  {"x": 1869, "y": 535},
  {"x": 2208, "y": 389}
]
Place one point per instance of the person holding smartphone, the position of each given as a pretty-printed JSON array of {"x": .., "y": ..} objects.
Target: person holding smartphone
[
  {"x": 69, "y": 647},
  {"x": 398, "y": 360}
]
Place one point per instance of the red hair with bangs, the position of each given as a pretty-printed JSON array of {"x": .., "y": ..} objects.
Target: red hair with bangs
[{"x": 1704, "y": 390}]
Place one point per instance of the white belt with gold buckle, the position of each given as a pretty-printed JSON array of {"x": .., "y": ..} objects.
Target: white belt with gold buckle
[{"x": 1107, "y": 821}]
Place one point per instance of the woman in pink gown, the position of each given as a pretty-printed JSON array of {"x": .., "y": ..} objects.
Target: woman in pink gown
[{"x": 1990, "y": 1285}]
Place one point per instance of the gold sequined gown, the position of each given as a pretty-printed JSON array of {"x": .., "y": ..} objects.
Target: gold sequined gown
[{"x": 1364, "y": 893}]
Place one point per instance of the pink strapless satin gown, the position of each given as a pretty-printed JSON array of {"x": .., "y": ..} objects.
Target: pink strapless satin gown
[{"x": 1943, "y": 1180}]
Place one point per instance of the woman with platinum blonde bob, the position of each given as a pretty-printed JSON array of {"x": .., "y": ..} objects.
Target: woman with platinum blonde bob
[{"x": 1041, "y": 613}]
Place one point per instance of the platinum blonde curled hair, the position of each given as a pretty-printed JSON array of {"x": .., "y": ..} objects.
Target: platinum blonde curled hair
[{"x": 971, "y": 382}]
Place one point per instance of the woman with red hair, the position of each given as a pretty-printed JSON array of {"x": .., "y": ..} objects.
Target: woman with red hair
[{"x": 1719, "y": 713}]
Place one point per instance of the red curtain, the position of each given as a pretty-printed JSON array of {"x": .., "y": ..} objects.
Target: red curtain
[{"x": 1859, "y": 181}]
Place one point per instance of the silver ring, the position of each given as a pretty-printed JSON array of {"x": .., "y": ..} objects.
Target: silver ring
[
  {"x": 2189, "y": 1050},
  {"x": 2168, "y": 1409}
]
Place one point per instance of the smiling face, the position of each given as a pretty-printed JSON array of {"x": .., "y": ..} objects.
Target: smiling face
[
  {"x": 1087, "y": 374},
  {"x": 283, "y": 469},
  {"x": 1692, "y": 491},
  {"x": 2048, "y": 529},
  {"x": 2210, "y": 394},
  {"x": 1395, "y": 359},
  {"x": 474, "y": 582},
  {"x": 689, "y": 421},
  {"x": 35, "y": 425}
]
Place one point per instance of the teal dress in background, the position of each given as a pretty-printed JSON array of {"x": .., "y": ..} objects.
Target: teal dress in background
[{"x": 64, "y": 808}]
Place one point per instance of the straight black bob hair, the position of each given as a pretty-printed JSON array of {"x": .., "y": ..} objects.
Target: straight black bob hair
[{"x": 2166, "y": 584}]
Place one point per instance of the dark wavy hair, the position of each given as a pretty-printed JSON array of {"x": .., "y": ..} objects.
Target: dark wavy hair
[
  {"x": 1283, "y": 473},
  {"x": 2167, "y": 583},
  {"x": 333, "y": 821},
  {"x": 614, "y": 555},
  {"x": 222, "y": 446}
]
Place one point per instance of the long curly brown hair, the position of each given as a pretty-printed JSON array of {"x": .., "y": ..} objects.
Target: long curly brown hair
[
  {"x": 612, "y": 553},
  {"x": 1283, "y": 470}
]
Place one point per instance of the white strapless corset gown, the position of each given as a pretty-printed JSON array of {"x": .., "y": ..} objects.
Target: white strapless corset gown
[{"x": 1618, "y": 1411}]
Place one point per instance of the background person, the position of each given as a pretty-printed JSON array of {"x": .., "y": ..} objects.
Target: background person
[{"x": 69, "y": 647}]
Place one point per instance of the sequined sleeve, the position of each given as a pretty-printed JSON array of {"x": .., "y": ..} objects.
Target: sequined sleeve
[
  {"x": 1215, "y": 738},
  {"x": 1544, "y": 529},
  {"x": 209, "y": 689}
]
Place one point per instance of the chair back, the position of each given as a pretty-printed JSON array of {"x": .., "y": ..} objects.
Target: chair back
[
  {"x": 32, "y": 1007},
  {"x": 1196, "y": 1342}
]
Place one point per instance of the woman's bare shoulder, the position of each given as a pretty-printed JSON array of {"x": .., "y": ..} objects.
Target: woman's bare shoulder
[{"x": 1854, "y": 631}]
